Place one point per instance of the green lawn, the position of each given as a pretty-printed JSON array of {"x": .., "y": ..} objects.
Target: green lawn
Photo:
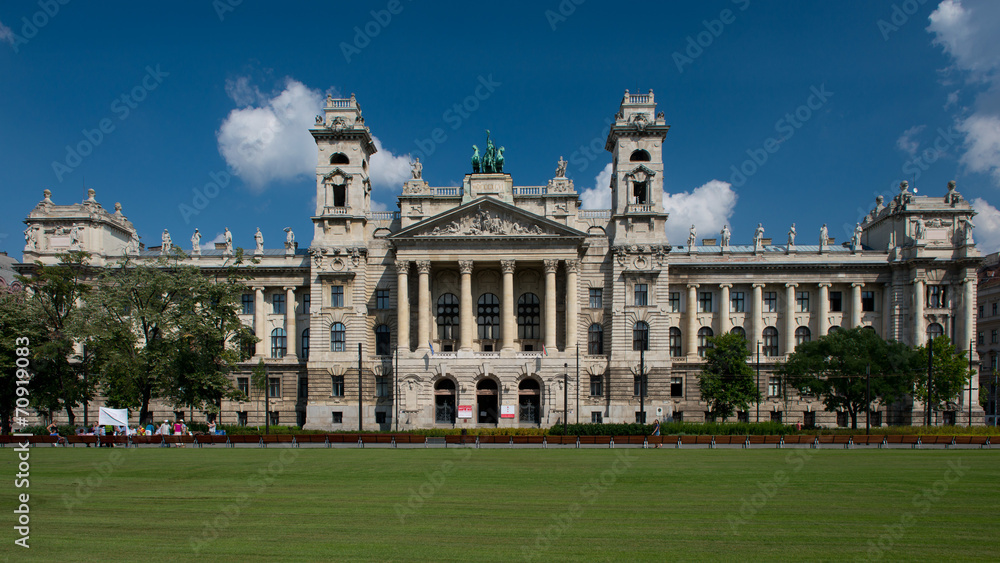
[{"x": 503, "y": 505}]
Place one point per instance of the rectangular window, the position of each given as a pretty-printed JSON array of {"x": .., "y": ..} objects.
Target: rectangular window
[
  {"x": 936, "y": 296},
  {"x": 737, "y": 302},
  {"x": 678, "y": 416},
  {"x": 981, "y": 311},
  {"x": 875, "y": 418},
  {"x": 337, "y": 296},
  {"x": 278, "y": 304},
  {"x": 775, "y": 416},
  {"x": 774, "y": 387},
  {"x": 596, "y": 298},
  {"x": 809, "y": 419},
  {"x": 867, "y": 300},
  {"x": 338, "y": 386},
  {"x": 675, "y": 302},
  {"x": 802, "y": 297},
  {"x": 675, "y": 343},
  {"x": 380, "y": 417},
  {"x": 303, "y": 387},
  {"x": 979, "y": 339},
  {"x": 596, "y": 386},
  {"x": 273, "y": 387},
  {"x": 993, "y": 336},
  {"x": 742, "y": 416},
  {"x": 306, "y": 303},
  {"x": 635, "y": 386},
  {"x": 243, "y": 383},
  {"x": 640, "y": 417},
  {"x": 841, "y": 418},
  {"x": 338, "y": 417},
  {"x": 596, "y": 417},
  {"x": 994, "y": 308},
  {"x": 705, "y": 302},
  {"x": 273, "y": 415},
  {"x": 381, "y": 386},
  {"x": 676, "y": 387},
  {"x": 640, "y": 295},
  {"x": 770, "y": 301},
  {"x": 836, "y": 302},
  {"x": 381, "y": 298},
  {"x": 241, "y": 418},
  {"x": 247, "y": 303}
]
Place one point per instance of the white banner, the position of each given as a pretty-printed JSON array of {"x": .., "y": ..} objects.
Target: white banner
[{"x": 113, "y": 417}]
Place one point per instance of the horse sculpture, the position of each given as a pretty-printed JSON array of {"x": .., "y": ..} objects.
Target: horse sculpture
[
  {"x": 499, "y": 160},
  {"x": 475, "y": 159}
]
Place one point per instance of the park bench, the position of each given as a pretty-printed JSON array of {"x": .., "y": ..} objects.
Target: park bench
[
  {"x": 377, "y": 439},
  {"x": 562, "y": 440},
  {"x": 526, "y": 440},
  {"x": 180, "y": 441},
  {"x": 730, "y": 440},
  {"x": 753, "y": 441},
  {"x": 937, "y": 440},
  {"x": 869, "y": 440},
  {"x": 243, "y": 439},
  {"x": 628, "y": 440},
  {"x": 313, "y": 439},
  {"x": 86, "y": 440},
  {"x": 776, "y": 441},
  {"x": 693, "y": 440},
  {"x": 211, "y": 439},
  {"x": 594, "y": 440},
  {"x": 277, "y": 439},
  {"x": 799, "y": 439}
]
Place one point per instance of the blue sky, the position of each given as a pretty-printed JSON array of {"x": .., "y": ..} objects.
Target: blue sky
[{"x": 910, "y": 90}]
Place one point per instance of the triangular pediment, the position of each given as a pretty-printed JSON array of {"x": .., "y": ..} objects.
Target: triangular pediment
[{"x": 487, "y": 218}]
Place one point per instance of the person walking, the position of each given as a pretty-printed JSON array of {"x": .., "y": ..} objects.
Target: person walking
[{"x": 656, "y": 430}]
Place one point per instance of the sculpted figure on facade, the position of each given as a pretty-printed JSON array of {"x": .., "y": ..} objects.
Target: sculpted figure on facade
[
  {"x": 692, "y": 235},
  {"x": 856, "y": 239},
  {"x": 228, "y": 238},
  {"x": 132, "y": 248},
  {"x": 30, "y": 239},
  {"x": 824, "y": 236},
  {"x": 417, "y": 169},
  {"x": 196, "y": 242},
  {"x": 758, "y": 237},
  {"x": 952, "y": 197},
  {"x": 167, "y": 243},
  {"x": 561, "y": 168},
  {"x": 289, "y": 238},
  {"x": 726, "y": 234},
  {"x": 258, "y": 238},
  {"x": 791, "y": 235},
  {"x": 966, "y": 230}
]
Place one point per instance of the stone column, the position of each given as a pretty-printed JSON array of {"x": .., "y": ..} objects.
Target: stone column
[
  {"x": 290, "y": 324},
  {"x": 724, "y": 308},
  {"x": 757, "y": 323},
  {"x": 550, "y": 304},
  {"x": 507, "y": 312},
  {"x": 402, "y": 305},
  {"x": 856, "y": 304},
  {"x": 967, "y": 313},
  {"x": 790, "y": 317},
  {"x": 919, "y": 333},
  {"x": 468, "y": 320},
  {"x": 691, "y": 338},
  {"x": 572, "y": 267},
  {"x": 823, "y": 326},
  {"x": 423, "y": 304},
  {"x": 258, "y": 320}
]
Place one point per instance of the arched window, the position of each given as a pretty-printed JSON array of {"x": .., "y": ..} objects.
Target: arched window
[
  {"x": 279, "y": 343},
  {"x": 488, "y": 317},
  {"x": 770, "y": 335},
  {"x": 528, "y": 319},
  {"x": 640, "y": 336},
  {"x": 338, "y": 336},
  {"x": 447, "y": 317},
  {"x": 305, "y": 345},
  {"x": 595, "y": 340},
  {"x": 382, "y": 337},
  {"x": 935, "y": 330},
  {"x": 639, "y": 156},
  {"x": 339, "y": 158},
  {"x": 833, "y": 329},
  {"x": 704, "y": 333},
  {"x": 675, "y": 342},
  {"x": 738, "y": 330},
  {"x": 802, "y": 334}
]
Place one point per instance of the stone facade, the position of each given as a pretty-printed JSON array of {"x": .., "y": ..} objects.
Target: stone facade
[
  {"x": 511, "y": 305},
  {"x": 988, "y": 330}
]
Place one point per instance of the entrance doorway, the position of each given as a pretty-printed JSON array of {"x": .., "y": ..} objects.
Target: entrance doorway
[
  {"x": 487, "y": 402},
  {"x": 444, "y": 402},
  {"x": 529, "y": 402}
]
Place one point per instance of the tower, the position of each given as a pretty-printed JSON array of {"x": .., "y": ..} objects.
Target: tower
[{"x": 636, "y": 145}]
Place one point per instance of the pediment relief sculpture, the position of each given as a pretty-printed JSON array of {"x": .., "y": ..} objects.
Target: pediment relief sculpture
[{"x": 486, "y": 222}]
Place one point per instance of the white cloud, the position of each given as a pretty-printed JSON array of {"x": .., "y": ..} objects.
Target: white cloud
[
  {"x": 906, "y": 141},
  {"x": 987, "y": 233},
  {"x": 982, "y": 144},
  {"x": 708, "y": 207},
  {"x": 952, "y": 99},
  {"x": 388, "y": 170},
  {"x": 210, "y": 245},
  {"x": 598, "y": 197},
  {"x": 6, "y": 34},
  {"x": 269, "y": 139},
  {"x": 243, "y": 92}
]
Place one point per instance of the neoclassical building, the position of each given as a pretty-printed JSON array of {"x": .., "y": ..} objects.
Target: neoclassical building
[{"x": 496, "y": 304}]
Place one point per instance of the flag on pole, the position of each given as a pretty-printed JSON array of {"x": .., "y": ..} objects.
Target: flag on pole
[
  {"x": 544, "y": 351},
  {"x": 431, "y": 347}
]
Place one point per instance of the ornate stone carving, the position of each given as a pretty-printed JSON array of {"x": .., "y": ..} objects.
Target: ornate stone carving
[
  {"x": 692, "y": 235},
  {"x": 573, "y": 266},
  {"x": 726, "y": 234},
  {"x": 791, "y": 235},
  {"x": 465, "y": 266},
  {"x": 165, "y": 238},
  {"x": 758, "y": 238},
  {"x": 228, "y": 237},
  {"x": 338, "y": 124},
  {"x": 402, "y": 266},
  {"x": 561, "y": 168},
  {"x": 196, "y": 242},
  {"x": 952, "y": 197},
  {"x": 424, "y": 266},
  {"x": 486, "y": 223},
  {"x": 507, "y": 266},
  {"x": 824, "y": 236},
  {"x": 258, "y": 238},
  {"x": 417, "y": 169},
  {"x": 551, "y": 266}
]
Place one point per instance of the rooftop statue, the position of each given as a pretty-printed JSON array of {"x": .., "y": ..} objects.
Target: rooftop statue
[
  {"x": 492, "y": 159},
  {"x": 475, "y": 159},
  {"x": 561, "y": 168}
]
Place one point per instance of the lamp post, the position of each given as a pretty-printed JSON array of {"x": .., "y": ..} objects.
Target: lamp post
[
  {"x": 360, "y": 386},
  {"x": 758, "y": 380},
  {"x": 930, "y": 366},
  {"x": 971, "y": 379},
  {"x": 642, "y": 384},
  {"x": 267, "y": 402},
  {"x": 868, "y": 398},
  {"x": 565, "y": 398}
]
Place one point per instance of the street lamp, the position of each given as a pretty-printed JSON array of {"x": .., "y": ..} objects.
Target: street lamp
[
  {"x": 565, "y": 398},
  {"x": 758, "y": 380},
  {"x": 642, "y": 383}
]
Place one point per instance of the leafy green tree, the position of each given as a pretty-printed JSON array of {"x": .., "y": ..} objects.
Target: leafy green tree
[
  {"x": 834, "y": 367},
  {"x": 727, "y": 381},
  {"x": 16, "y": 331},
  {"x": 55, "y": 291},
  {"x": 258, "y": 382},
  {"x": 950, "y": 373}
]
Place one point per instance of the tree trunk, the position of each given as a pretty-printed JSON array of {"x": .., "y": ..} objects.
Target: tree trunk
[
  {"x": 854, "y": 418},
  {"x": 144, "y": 407},
  {"x": 69, "y": 414}
]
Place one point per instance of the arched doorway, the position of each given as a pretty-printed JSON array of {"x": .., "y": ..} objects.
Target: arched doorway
[
  {"x": 529, "y": 403},
  {"x": 487, "y": 395},
  {"x": 444, "y": 402}
]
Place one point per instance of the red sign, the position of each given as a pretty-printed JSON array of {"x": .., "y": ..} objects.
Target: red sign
[
  {"x": 507, "y": 411},
  {"x": 464, "y": 411}
]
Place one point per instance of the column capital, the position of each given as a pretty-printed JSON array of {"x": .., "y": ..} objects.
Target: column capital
[
  {"x": 857, "y": 284},
  {"x": 424, "y": 266},
  {"x": 402, "y": 266},
  {"x": 758, "y": 285},
  {"x": 507, "y": 266},
  {"x": 573, "y": 266},
  {"x": 551, "y": 266},
  {"x": 824, "y": 284},
  {"x": 725, "y": 286},
  {"x": 792, "y": 284},
  {"x": 289, "y": 288},
  {"x": 693, "y": 285},
  {"x": 258, "y": 288},
  {"x": 465, "y": 266}
]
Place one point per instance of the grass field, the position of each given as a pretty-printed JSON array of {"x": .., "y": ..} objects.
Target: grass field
[{"x": 505, "y": 505}]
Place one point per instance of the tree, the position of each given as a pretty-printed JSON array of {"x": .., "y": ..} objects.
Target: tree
[
  {"x": 835, "y": 367},
  {"x": 167, "y": 332},
  {"x": 258, "y": 382},
  {"x": 950, "y": 373},
  {"x": 55, "y": 291},
  {"x": 727, "y": 381},
  {"x": 17, "y": 333}
]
